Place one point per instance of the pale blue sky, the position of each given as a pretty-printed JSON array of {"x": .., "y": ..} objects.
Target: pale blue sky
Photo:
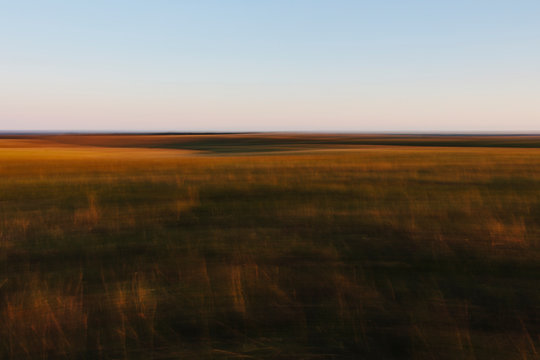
[{"x": 399, "y": 66}]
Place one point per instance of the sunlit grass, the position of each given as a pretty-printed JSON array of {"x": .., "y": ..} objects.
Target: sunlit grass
[{"x": 337, "y": 251}]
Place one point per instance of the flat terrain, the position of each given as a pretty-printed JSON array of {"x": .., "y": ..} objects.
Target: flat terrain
[{"x": 269, "y": 246}]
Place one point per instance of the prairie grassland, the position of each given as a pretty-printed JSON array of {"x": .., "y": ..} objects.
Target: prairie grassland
[{"x": 344, "y": 252}]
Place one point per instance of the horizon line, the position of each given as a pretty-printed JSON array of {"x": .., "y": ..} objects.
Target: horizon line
[{"x": 299, "y": 132}]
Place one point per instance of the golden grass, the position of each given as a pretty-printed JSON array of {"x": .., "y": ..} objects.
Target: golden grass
[
  {"x": 39, "y": 320},
  {"x": 355, "y": 250}
]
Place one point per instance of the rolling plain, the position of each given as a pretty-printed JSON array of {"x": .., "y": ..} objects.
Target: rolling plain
[{"x": 269, "y": 246}]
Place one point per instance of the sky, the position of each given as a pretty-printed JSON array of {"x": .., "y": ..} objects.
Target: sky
[{"x": 272, "y": 65}]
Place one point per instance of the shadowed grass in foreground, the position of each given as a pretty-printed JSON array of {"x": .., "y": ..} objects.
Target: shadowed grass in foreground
[{"x": 373, "y": 252}]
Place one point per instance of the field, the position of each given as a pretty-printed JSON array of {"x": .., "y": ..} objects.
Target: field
[{"x": 269, "y": 246}]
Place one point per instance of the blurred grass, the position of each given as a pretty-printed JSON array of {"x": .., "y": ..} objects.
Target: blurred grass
[
  {"x": 363, "y": 252},
  {"x": 271, "y": 142}
]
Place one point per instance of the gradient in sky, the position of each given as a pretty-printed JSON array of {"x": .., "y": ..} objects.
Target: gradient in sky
[{"x": 250, "y": 65}]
